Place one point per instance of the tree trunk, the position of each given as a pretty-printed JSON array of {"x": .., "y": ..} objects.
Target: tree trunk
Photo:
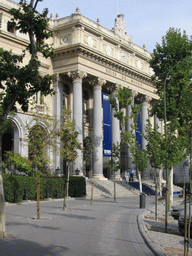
[
  {"x": 156, "y": 194},
  {"x": 92, "y": 186},
  {"x": 140, "y": 182},
  {"x": 185, "y": 221},
  {"x": 190, "y": 176},
  {"x": 171, "y": 188},
  {"x": 66, "y": 191},
  {"x": 114, "y": 191},
  {"x": 38, "y": 199},
  {"x": 160, "y": 177},
  {"x": 2, "y": 201},
  {"x": 167, "y": 199}
]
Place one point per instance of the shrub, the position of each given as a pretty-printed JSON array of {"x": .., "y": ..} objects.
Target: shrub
[{"x": 15, "y": 187}]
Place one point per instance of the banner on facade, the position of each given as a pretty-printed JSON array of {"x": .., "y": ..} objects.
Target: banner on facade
[
  {"x": 107, "y": 137},
  {"x": 138, "y": 131}
]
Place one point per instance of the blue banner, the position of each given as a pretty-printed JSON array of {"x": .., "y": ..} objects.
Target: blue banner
[
  {"x": 107, "y": 137},
  {"x": 138, "y": 131}
]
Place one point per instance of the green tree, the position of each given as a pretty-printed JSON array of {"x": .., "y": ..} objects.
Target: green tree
[
  {"x": 115, "y": 162},
  {"x": 18, "y": 83},
  {"x": 69, "y": 145},
  {"x": 42, "y": 136},
  {"x": 128, "y": 138},
  {"x": 155, "y": 154},
  {"x": 171, "y": 62}
]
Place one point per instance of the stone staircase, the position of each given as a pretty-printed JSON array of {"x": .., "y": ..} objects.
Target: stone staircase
[
  {"x": 151, "y": 183},
  {"x": 105, "y": 188}
]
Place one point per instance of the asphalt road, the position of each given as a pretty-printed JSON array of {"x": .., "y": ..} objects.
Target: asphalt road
[{"x": 104, "y": 228}]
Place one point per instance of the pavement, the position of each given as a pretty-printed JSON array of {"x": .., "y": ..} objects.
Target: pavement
[
  {"x": 104, "y": 228},
  {"x": 161, "y": 243}
]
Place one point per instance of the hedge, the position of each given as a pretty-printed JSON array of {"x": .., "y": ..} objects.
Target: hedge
[{"x": 18, "y": 188}]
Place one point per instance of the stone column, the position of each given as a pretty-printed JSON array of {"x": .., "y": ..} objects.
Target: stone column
[
  {"x": 77, "y": 77},
  {"x": 144, "y": 117},
  {"x": 115, "y": 137},
  {"x": 98, "y": 129},
  {"x": 129, "y": 123},
  {"x": 57, "y": 110}
]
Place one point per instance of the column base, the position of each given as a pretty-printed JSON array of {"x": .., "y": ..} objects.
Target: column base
[{"x": 98, "y": 177}]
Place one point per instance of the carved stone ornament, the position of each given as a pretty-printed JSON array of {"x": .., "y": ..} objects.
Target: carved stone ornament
[
  {"x": 108, "y": 50},
  {"x": 56, "y": 79},
  {"x": 90, "y": 41},
  {"x": 139, "y": 65},
  {"x": 134, "y": 93},
  {"x": 120, "y": 29},
  {"x": 64, "y": 39},
  {"x": 98, "y": 82},
  {"x": 77, "y": 74},
  {"x": 146, "y": 99}
]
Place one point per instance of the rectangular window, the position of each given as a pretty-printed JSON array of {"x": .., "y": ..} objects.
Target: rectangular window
[{"x": 10, "y": 28}]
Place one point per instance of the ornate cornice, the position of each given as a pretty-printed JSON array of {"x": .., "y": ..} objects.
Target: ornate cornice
[{"x": 109, "y": 62}]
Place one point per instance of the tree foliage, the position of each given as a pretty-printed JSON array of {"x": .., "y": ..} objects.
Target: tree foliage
[
  {"x": 128, "y": 138},
  {"x": 171, "y": 62},
  {"x": 42, "y": 137},
  {"x": 19, "y": 82},
  {"x": 68, "y": 137},
  {"x": 21, "y": 164}
]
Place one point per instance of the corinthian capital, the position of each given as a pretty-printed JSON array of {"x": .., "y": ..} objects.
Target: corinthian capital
[
  {"x": 146, "y": 99},
  {"x": 77, "y": 74},
  {"x": 98, "y": 82},
  {"x": 134, "y": 93}
]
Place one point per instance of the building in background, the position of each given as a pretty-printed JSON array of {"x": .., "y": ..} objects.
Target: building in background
[{"x": 90, "y": 62}]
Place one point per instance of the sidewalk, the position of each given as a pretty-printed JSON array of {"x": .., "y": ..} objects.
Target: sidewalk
[{"x": 161, "y": 243}]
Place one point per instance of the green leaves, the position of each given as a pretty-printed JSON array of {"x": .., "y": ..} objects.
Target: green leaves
[
  {"x": 68, "y": 136},
  {"x": 20, "y": 163},
  {"x": 172, "y": 63},
  {"x": 19, "y": 83},
  {"x": 115, "y": 162},
  {"x": 128, "y": 138},
  {"x": 29, "y": 21}
]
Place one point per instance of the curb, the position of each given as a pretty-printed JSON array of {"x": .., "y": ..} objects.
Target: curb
[{"x": 155, "y": 248}]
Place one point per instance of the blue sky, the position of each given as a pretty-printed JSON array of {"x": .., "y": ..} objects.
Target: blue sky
[{"x": 146, "y": 20}]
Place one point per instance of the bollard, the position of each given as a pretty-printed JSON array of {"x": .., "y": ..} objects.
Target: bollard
[{"x": 142, "y": 200}]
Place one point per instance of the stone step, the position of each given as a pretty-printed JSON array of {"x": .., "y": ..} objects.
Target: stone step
[{"x": 105, "y": 188}]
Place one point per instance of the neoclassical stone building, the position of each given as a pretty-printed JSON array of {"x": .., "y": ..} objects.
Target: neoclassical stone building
[{"x": 90, "y": 61}]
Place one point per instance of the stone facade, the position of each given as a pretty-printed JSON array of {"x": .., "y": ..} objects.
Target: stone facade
[{"x": 89, "y": 60}]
